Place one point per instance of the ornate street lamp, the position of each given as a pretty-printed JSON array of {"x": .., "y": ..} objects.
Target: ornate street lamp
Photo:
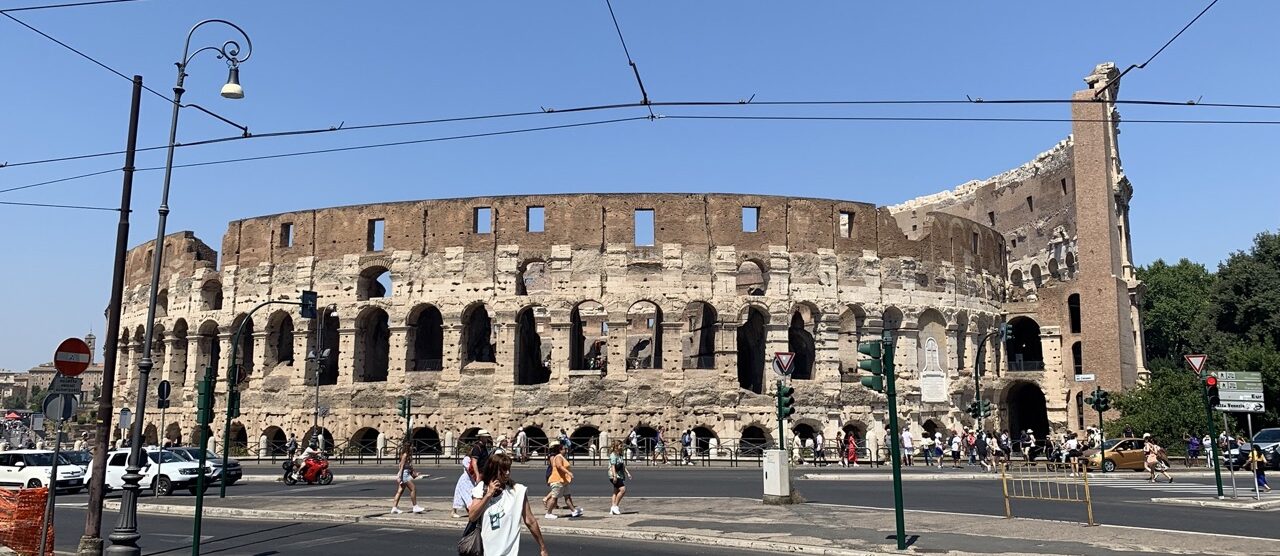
[{"x": 124, "y": 538}]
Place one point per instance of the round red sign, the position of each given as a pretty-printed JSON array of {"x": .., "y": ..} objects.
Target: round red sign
[{"x": 72, "y": 357}]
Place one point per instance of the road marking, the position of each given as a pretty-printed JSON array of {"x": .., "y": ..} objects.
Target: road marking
[{"x": 394, "y": 529}]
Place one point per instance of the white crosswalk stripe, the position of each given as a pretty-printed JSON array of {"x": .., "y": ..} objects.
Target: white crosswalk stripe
[{"x": 1142, "y": 484}]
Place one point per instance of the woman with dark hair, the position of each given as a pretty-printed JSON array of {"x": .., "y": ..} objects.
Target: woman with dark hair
[
  {"x": 618, "y": 476},
  {"x": 404, "y": 480},
  {"x": 1258, "y": 462},
  {"x": 500, "y": 505}
]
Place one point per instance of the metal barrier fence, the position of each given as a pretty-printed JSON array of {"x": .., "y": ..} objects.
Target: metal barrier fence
[{"x": 1050, "y": 481}]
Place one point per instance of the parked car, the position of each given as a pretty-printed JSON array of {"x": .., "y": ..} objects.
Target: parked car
[
  {"x": 1269, "y": 441},
  {"x": 163, "y": 472},
  {"x": 227, "y": 469},
  {"x": 32, "y": 469},
  {"x": 1122, "y": 453},
  {"x": 78, "y": 458}
]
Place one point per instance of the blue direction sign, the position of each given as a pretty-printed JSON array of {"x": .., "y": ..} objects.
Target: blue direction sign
[{"x": 59, "y": 406}]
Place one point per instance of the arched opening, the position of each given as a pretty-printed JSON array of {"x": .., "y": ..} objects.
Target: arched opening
[
  {"x": 244, "y": 353},
  {"x": 178, "y": 367},
  {"x": 373, "y": 333},
  {"x": 588, "y": 336},
  {"x": 173, "y": 434},
  {"x": 1073, "y": 312},
  {"x": 754, "y": 441},
  {"x": 477, "y": 332},
  {"x": 426, "y": 333},
  {"x": 531, "y": 366},
  {"x": 1054, "y": 271},
  {"x": 533, "y": 278},
  {"x": 582, "y": 438},
  {"x": 276, "y": 441},
  {"x": 931, "y": 427},
  {"x": 209, "y": 351},
  {"x": 1077, "y": 359},
  {"x": 1071, "y": 265},
  {"x": 1080, "y": 410},
  {"x": 330, "y": 344},
  {"x": 162, "y": 304},
  {"x": 280, "y": 338},
  {"x": 322, "y": 437},
  {"x": 853, "y": 322},
  {"x": 857, "y": 431},
  {"x": 698, "y": 343},
  {"x": 751, "y": 336},
  {"x": 1016, "y": 278},
  {"x": 364, "y": 442},
  {"x": 239, "y": 442},
  {"x": 208, "y": 435},
  {"x": 426, "y": 440},
  {"x": 892, "y": 318},
  {"x": 211, "y": 296},
  {"x": 705, "y": 435},
  {"x": 1036, "y": 277},
  {"x": 1027, "y": 409},
  {"x": 751, "y": 279},
  {"x": 800, "y": 342},
  {"x": 644, "y": 337},
  {"x": 158, "y": 347},
  {"x": 537, "y": 440},
  {"x": 149, "y": 436},
  {"x": 1023, "y": 345},
  {"x": 805, "y": 434},
  {"x": 932, "y": 355},
  {"x": 374, "y": 282}
]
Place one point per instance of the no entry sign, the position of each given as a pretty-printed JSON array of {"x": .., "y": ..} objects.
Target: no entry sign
[{"x": 71, "y": 357}]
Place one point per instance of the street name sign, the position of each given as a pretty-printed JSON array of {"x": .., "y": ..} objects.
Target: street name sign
[
  {"x": 782, "y": 361},
  {"x": 72, "y": 357},
  {"x": 63, "y": 384},
  {"x": 1239, "y": 386},
  {"x": 1090, "y": 377},
  {"x": 1241, "y": 407}
]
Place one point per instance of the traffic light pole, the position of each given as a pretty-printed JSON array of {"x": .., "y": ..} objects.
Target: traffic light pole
[
  {"x": 894, "y": 444},
  {"x": 1102, "y": 443},
  {"x": 204, "y": 406},
  {"x": 782, "y": 429},
  {"x": 1213, "y": 435}
]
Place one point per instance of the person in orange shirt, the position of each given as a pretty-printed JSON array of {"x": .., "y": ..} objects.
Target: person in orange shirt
[{"x": 558, "y": 478}]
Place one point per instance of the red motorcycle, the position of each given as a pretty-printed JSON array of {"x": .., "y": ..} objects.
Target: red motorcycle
[{"x": 315, "y": 469}]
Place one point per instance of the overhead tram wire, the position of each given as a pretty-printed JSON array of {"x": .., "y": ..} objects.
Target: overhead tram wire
[
  {"x": 644, "y": 96},
  {"x": 65, "y": 5},
  {"x": 59, "y": 180},
  {"x": 49, "y": 205},
  {"x": 1143, "y": 65},
  {"x": 959, "y": 119}
]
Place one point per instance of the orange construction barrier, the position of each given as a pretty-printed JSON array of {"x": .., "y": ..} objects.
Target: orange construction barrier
[{"x": 21, "y": 514}]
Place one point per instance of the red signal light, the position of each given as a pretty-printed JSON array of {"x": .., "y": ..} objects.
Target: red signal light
[{"x": 1211, "y": 381}]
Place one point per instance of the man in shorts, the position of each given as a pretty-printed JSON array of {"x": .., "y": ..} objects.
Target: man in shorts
[{"x": 558, "y": 478}]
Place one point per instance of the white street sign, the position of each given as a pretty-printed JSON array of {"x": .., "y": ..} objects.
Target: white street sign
[
  {"x": 1240, "y": 396},
  {"x": 1196, "y": 361},
  {"x": 65, "y": 385},
  {"x": 1241, "y": 407},
  {"x": 1086, "y": 378}
]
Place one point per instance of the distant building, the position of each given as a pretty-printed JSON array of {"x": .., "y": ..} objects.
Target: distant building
[{"x": 41, "y": 376}]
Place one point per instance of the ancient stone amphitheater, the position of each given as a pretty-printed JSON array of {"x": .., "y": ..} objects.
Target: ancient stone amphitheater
[{"x": 599, "y": 314}]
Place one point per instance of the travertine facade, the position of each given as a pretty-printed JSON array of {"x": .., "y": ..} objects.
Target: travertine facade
[{"x": 573, "y": 312}]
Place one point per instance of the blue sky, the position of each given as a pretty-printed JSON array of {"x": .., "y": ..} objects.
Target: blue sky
[{"x": 1200, "y": 191}]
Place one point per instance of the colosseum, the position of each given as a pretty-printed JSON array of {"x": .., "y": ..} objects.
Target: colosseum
[{"x": 600, "y": 314}]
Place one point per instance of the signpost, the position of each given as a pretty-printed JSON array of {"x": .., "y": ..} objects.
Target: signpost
[
  {"x": 70, "y": 359},
  {"x": 1086, "y": 377},
  {"x": 163, "y": 390},
  {"x": 782, "y": 361},
  {"x": 1196, "y": 361}
]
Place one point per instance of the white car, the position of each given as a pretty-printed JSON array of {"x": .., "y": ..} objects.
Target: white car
[
  {"x": 31, "y": 469},
  {"x": 162, "y": 475}
]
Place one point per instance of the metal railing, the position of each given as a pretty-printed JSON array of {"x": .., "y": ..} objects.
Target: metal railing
[
  {"x": 428, "y": 364},
  {"x": 700, "y": 362}
]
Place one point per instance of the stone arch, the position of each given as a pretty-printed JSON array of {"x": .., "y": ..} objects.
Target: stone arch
[
  {"x": 804, "y": 430},
  {"x": 853, "y": 325},
  {"x": 588, "y": 335},
  {"x": 538, "y": 440},
  {"x": 425, "y": 338},
  {"x": 211, "y": 295},
  {"x": 149, "y": 435},
  {"x": 531, "y": 366},
  {"x": 157, "y": 345},
  {"x": 1015, "y": 278},
  {"x": 1073, "y": 312},
  {"x": 477, "y": 335},
  {"x": 162, "y": 303},
  {"x": 322, "y": 437},
  {"x": 1036, "y": 277},
  {"x": 276, "y": 441},
  {"x": 173, "y": 434},
  {"x": 373, "y": 345},
  {"x": 532, "y": 278},
  {"x": 705, "y": 434},
  {"x": 1054, "y": 271},
  {"x": 644, "y": 335},
  {"x": 698, "y": 341},
  {"x": 800, "y": 333},
  {"x": 751, "y": 278},
  {"x": 208, "y": 349},
  {"x": 1071, "y": 265},
  {"x": 425, "y": 440},
  {"x": 330, "y": 343},
  {"x": 239, "y": 442},
  {"x": 374, "y": 282},
  {"x": 754, "y": 440},
  {"x": 1077, "y": 359},
  {"x": 751, "y": 344},
  {"x": 1027, "y": 409},
  {"x": 364, "y": 442},
  {"x": 857, "y": 429},
  {"x": 583, "y": 438},
  {"x": 932, "y": 426},
  {"x": 1023, "y": 345},
  {"x": 244, "y": 352},
  {"x": 892, "y": 318},
  {"x": 279, "y": 338}
]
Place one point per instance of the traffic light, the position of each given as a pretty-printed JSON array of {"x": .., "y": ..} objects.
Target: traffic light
[
  {"x": 984, "y": 409},
  {"x": 204, "y": 401},
  {"x": 1006, "y": 331},
  {"x": 974, "y": 410},
  {"x": 233, "y": 403},
  {"x": 403, "y": 404},
  {"x": 874, "y": 350},
  {"x": 1103, "y": 400},
  {"x": 1211, "y": 390},
  {"x": 308, "y": 304},
  {"x": 786, "y": 401}
]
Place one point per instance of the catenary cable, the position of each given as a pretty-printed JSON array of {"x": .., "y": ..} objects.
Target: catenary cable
[
  {"x": 65, "y": 5},
  {"x": 1143, "y": 65}
]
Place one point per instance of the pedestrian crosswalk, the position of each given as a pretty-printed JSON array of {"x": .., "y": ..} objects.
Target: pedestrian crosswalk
[{"x": 1140, "y": 482}]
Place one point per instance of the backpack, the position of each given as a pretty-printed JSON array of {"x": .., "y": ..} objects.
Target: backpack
[{"x": 684, "y": 439}]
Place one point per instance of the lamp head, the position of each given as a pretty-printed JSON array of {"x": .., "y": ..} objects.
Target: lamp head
[{"x": 233, "y": 89}]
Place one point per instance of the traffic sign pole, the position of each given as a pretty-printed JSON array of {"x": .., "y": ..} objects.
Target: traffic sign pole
[
  {"x": 1213, "y": 435},
  {"x": 47, "y": 523}
]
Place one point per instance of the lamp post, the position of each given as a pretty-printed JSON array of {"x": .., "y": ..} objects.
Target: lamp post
[
  {"x": 124, "y": 538},
  {"x": 320, "y": 355}
]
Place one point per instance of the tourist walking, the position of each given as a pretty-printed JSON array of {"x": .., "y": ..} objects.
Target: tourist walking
[
  {"x": 982, "y": 447},
  {"x": 498, "y": 507},
  {"x": 522, "y": 446},
  {"x": 618, "y": 476},
  {"x": 907, "y": 447},
  {"x": 559, "y": 476},
  {"x": 1207, "y": 443},
  {"x": 955, "y": 450},
  {"x": 851, "y": 447},
  {"x": 926, "y": 447},
  {"x": 659, "y": 447},
  {"x": 404, "y": 480},
  {"x": 1258, "y": 462},
  {"x": 686, "y": 453},
  {"x": 1155, "y": 460},
  {"x": 940, "y": 447},
  {"x": 466, "y": 482},
  {"x": 819, "y": 455}
]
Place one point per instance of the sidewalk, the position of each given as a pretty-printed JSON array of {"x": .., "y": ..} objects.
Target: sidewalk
[{"x": 748, "y": 524}]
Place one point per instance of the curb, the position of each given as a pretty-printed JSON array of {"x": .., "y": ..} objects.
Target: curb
[
  {"x": 910, "y": 477},
  {"x": 276, "y": 478},
  {"x": 1261, "y": 505}
]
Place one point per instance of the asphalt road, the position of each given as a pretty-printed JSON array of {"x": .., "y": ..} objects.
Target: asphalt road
[{"x": 172, "y": 536}]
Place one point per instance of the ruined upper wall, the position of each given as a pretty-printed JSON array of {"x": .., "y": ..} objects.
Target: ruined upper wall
[{"x": 184, "y": 253}]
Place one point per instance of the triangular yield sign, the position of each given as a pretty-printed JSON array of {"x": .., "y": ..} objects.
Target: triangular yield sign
[
  {"x": 1196, "y": 361},
  {"x": 784, "y": 360}
]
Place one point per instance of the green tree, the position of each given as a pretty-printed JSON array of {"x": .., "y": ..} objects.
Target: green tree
[
  {"x": 1246, "y": 298},
  {"x": 1175, "y": 308},
  {"x": 35, "y": 400},
  {"x": 1168, "y": 406}
]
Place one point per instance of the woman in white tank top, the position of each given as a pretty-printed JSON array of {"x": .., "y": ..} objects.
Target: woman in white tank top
[{"x": 501, "y": 505}]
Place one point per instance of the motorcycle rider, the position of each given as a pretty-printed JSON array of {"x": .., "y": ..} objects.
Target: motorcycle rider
[{"x": 311, "y": 450}]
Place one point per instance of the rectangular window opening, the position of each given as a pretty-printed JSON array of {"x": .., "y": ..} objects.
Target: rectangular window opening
[
  {"x": 1064, "y": 186},
  {"x": 483, "y": 220},
  {"x": 846, "y": 224},
  {"x": 1014, "y": 243},
  {"x": 1031, "y": 205},
  {"x": 377, "y": 232},
  {"x": 914, "y": 227},
  {"x": 649, "y": 324},
  {"x": 644, "y": 227},
  {"x": 991, "y": 217},
  {"x": 750, "y": 219},
  {"x": 534, "y": 219},
  {"x": 286, "y": 234},
  {"x": 975, "y": 242}
]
